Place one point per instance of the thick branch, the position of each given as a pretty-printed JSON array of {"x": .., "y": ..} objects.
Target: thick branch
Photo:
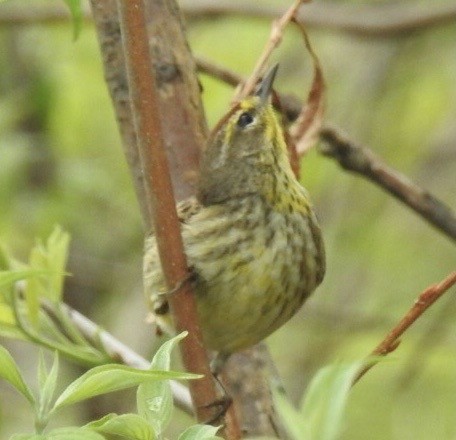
[
  {"x": 424, "y": 301},
  {"x": 175, "y": 99},
  {"x": 362, "y": 161},
  {"x": 108, "y": 30},
  {"x": 143, "y": 93}
]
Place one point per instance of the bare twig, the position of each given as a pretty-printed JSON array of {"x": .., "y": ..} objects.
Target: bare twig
[
  {"x": 392, "y": 341},
  {"x": 277, "y": 29},
  {"x": 158, "y": 183},
  {"x": 289, "y": 104},
  {"x": 220, "y": 72},
  {"x": 121, "y": 352},
  {"x": 382, "y": 21},
  {"x": 364, "y": 162}
]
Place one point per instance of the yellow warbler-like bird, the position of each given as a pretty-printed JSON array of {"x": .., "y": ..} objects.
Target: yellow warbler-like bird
[{"x": 251, "y": 237}]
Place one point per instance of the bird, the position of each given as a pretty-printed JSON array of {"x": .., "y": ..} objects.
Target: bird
[{"x": 251, "y": 237}]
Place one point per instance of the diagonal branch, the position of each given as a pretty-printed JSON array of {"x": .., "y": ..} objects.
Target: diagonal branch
[
  {"x": 182, "y": 119},
  {"x": 392, "y": 341},
  {"x": 362, "y": 161},
  {"x": 151, "y": 142}
]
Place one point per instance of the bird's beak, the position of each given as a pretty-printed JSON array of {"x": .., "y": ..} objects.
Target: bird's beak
[{"x": 265, "y": 87}]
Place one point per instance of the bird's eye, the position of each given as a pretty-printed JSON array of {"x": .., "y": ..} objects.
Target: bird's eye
[{"x": 245, "y": 119}]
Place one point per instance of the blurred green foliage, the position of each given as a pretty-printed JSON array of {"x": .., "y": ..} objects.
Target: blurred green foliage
[{"x": 61, "y": 163}]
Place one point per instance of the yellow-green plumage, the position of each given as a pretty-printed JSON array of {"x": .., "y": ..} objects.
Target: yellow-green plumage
[{"x": 250, "y": 236}]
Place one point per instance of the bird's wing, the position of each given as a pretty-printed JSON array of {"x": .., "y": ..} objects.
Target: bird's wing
[{"x": 154, "y": 284}]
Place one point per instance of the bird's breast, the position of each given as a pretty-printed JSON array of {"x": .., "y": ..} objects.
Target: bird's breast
[{"x": 255, "y": 267}]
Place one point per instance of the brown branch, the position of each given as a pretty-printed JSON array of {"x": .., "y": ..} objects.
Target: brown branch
[
  {"x": 383, "y": 21},
  {"x": 362, "y": 161},
  {"x": 150, "y": 140},
  {"x": 182, "y": 114},
  {"x": 248, "y": 376},
  {"x": 108, "y": 30},
  {"x": 180, "y": 97},
  {"x": 391, "y": 340},
  {"x": 220, "y": 72}
]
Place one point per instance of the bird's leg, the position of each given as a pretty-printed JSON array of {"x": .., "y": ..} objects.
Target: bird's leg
[
  {"x": 189, "y": 278},
  {"x": 161, "y": 304}
]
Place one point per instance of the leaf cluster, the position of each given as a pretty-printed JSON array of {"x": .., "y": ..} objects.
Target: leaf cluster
[{"x": 31, "y": 309}]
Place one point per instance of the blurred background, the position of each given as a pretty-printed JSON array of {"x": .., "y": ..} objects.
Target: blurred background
[{"x": 61, "y": 163}]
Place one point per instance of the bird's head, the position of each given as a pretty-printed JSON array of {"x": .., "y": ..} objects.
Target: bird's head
[{"x": 246, "y": 145}]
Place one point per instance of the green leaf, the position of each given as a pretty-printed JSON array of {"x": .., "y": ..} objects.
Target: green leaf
[
  {"x": 112, "y": 377},
  {"x": 320, "y": 416},
  {"x": 5, "y": 262},
  {"x": 326, "y": 399},
  {"x": 47, "y": 381},
  {"x": 73, "y": 433},
  {"x": 131, "y": 426},
  {"x": 294, "y": 422},
  {"x": 12, "y": 332},
  {"x": 9, "y": 277},
  {"x": 154, "y": 399},
  {"x": 8, "y": 326},
  {"x": 10, "y": 372},
  {"x": 28, "y": 437},
  {"x": 57, "y": 255},
  {"x": 76, "y": 13},
  {"x": 51, "y": 257},
  {"x": 200, "y": 432}
]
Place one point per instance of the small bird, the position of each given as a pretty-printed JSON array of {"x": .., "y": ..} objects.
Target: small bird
[{"x": 250, "y": 235}]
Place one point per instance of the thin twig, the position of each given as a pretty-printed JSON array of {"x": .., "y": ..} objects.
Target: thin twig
[
  {"x": 277, "y": 30},
  {"x": 391, "y": 341},
  {"x": 289, "y": 105},
  {"x": 121, "y": 352},
  {"x": 362, "y": 161},
  {"x": 167, "y": 229},
  {"x": 217, "y": 71}
]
